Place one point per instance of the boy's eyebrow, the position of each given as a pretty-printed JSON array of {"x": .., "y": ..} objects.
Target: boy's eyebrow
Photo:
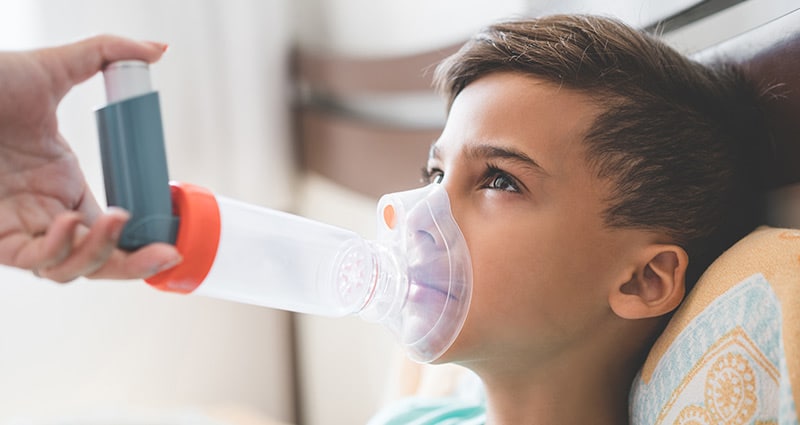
[{"x": 485, "y": 151}]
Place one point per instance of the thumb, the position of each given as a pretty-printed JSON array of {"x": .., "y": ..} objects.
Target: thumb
[{"x": 74, "y": 63}]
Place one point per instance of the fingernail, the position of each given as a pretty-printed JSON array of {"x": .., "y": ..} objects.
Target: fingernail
[
  {"x": 119, "y": 211},
  {"x": 160, "y": 46},
  {"x": 116, "y": 231},
  {"x": 115, "y": 234}
]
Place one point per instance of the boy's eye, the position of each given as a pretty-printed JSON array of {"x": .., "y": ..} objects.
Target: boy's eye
[
  {"x": 499, "y": 180},
  {"x": 432, "y": 175}
]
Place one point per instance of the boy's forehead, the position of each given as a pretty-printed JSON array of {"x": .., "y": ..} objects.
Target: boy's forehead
[{"x": 517, "y": 116}]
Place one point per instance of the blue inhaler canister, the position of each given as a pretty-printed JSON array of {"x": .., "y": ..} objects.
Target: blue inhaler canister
[{"x": 133, "y": 154}]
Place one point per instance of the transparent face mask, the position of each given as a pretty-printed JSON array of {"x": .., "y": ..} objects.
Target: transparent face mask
[{"x": 426, "y": 275}]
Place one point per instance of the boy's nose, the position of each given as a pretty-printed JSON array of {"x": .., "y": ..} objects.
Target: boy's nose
[
  {"x": 421, "y": 215},
  {"x": 422, "y": 227},
  {"x": 455, "y": 202}
]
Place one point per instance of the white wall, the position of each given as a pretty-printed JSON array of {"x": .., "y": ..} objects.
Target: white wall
[
  {"x": 86, "y": 346},
  {"x": 380, "y": 28},
  {"x": 96, "y": 346}
]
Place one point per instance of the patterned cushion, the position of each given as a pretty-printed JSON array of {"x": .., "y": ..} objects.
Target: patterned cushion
[{"x": 731, "y": 353}]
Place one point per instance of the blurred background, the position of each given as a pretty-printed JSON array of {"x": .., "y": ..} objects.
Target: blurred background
[{"x": 315, "y": 107}]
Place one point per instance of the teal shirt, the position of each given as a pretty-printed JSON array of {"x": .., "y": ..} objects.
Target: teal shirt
[{"x": 431, "y": 411}]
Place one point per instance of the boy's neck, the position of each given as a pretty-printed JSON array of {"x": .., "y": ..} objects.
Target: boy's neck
[
  {"x": 557, "y": 398},
  {"x": 589, "y": 384}
]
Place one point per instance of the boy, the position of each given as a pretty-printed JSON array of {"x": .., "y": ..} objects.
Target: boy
[{"x": 595, "y": 173}]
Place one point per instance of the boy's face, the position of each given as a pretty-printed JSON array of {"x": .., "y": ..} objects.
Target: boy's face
[{"x": 511, "y": 157}]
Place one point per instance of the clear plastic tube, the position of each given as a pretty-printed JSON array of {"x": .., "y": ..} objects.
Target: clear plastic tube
[
  {"x": 283, "y": 261},
  {"x": 415, "y": 279}
]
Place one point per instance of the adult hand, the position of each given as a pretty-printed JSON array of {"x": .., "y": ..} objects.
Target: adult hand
[{"x": 50, "y": 223}]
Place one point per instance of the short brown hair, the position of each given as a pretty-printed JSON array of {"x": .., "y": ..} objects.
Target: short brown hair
[{"x": 676, "y": 137}]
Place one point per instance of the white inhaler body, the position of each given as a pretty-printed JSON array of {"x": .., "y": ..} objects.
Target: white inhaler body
[{"x": 415, "y": 279}]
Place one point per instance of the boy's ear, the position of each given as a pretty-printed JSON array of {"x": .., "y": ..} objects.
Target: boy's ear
[{"x": 656, "y": 286}]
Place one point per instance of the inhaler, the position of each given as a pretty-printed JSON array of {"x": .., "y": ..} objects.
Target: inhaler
[{"x": 415, "y": 278}]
